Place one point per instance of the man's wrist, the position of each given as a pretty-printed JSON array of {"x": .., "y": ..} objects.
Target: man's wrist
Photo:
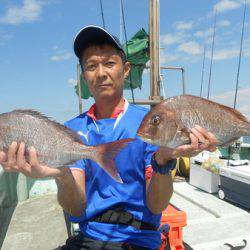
[
  {"x": 160, "y": 159},
  {"x": 65, "y": 177},
  {"x": 163, "y": 167}
]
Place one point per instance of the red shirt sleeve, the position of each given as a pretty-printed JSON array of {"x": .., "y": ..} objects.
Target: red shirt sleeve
[{"x": 148, "y": 173}]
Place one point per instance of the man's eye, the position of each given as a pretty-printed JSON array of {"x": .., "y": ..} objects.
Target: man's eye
[
  {"x": 110, "y": 63},
  {"x": 90, "y": 67}
]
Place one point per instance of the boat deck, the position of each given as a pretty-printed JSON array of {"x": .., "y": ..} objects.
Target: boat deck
[
  {"x": 212, "y": 223},
  {"x": 38, "y": 223}
]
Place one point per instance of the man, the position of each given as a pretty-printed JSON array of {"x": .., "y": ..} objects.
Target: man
[{"x": 111, "y": 215}]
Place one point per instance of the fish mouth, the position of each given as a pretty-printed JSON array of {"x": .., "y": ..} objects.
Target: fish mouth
[
  {"x": 147, "y": 138},
  {"x": 144, "y": 136}
]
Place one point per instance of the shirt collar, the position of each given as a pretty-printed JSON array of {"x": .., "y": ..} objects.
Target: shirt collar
[{"x": 91, "y": 112}]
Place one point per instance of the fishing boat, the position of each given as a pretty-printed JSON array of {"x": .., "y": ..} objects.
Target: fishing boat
[{"x": 30, "y": 217}]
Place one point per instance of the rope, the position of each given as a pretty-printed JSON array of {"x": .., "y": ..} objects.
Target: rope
[
  {"x": 212, "y": 55},
  {"x": 241, "y": 41},
  {"x": 202, "y": 72},
  {"x": 238, "y": 71},
  {"x": 103, "y": 21},
  {"x": 126, "y": 40}
]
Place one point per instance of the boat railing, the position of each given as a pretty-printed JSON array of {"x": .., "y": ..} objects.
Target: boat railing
[
  {"x": 1, "y": 171},
  {"x": 2, "y": 193}
]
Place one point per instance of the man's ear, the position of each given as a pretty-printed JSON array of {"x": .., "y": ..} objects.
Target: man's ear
[{"x": 127, "y": 67}]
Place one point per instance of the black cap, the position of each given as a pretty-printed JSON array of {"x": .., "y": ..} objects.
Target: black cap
[{"x": 93, "y": 33}]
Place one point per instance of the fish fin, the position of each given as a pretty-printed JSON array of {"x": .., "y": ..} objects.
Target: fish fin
[
  {"x": 245, "y": 128},
  {"x": 47, "y": 119},
  {"x": 236, "y": 113},
  {"x": 29, "y": 112},
  {"x": 105, "y": 154},
  {"x": 184, "y": 132},
  {"x": 68, "y": 163},
  {"x": 181, "y": 137},
  {"x": 229, "y": 109},
  {"x": 230, "y": 142}
]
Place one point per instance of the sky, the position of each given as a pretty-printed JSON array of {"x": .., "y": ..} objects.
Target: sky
[{"x": 38, "y": 66}]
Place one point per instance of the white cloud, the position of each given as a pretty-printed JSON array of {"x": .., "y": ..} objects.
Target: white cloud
[
  {"x": 169, "y": 39},
  {"x": 225, "y": 5},
  {"x": 61, "y": 57},
  {"x": 183, "y": 25},
  {"x": 243, "y": 1},
  {"x": 243, "y": 102},
  {"x": 229, "y": 53},
  {"x": 206, "y": 33},
  {"x": 224, "y": 23},
  {"x": 167, "y": 58},
  {"x": 192, "y": 48},
  {"x": 60, "y": 54},
  {"x": 55, "y": 47},
  {"x": 28, "y": 12},
  {"x": 225, "y": 54},
  {"x": 72, "y": 82}
]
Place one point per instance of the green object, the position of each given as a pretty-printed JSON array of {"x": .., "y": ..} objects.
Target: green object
[
  {"x": 244, "y": 152},
  {"x": 137, "y": 51},
  {"x": 85, "y": 94}
]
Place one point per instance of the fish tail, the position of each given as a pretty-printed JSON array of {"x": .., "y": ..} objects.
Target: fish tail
[{"x": 104, "y": 155}]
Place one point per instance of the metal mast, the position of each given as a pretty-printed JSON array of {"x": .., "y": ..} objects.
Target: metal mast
[{"x": 154, "y": 50}]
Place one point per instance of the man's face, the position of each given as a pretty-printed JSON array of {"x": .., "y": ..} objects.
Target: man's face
[{"x": 104, "y": 71}]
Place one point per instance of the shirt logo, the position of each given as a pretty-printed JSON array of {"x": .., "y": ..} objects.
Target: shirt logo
[{"x": 84, "y": 135}]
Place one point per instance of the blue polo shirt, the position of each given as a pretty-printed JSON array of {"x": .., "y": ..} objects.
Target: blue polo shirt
[{"x": 102, "y": 192}]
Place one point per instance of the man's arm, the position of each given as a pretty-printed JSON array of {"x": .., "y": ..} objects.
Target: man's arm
[
  {"x": 160, "y": 187},
  {"x": 159, "y": 191},
  {"x": 71, "y": 192}
]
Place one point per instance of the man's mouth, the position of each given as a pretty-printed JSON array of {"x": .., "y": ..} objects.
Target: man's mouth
[{"x": 104, "y": 85}]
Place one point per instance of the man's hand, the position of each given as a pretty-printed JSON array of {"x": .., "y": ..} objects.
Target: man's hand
[
  {"x": 15, "y": 161},
  {"x": 200, "y": 140}
]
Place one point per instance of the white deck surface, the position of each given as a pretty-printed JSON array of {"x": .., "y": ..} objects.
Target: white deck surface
[
  {"x": 38, "y": 224},
  {"x": 212, "y": 223}
]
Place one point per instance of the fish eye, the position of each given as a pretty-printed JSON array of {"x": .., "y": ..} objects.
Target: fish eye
[{"x": 156, "y": 119}]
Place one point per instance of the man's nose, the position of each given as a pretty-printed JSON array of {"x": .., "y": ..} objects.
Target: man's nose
[{"x": 101, "y": 72}]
